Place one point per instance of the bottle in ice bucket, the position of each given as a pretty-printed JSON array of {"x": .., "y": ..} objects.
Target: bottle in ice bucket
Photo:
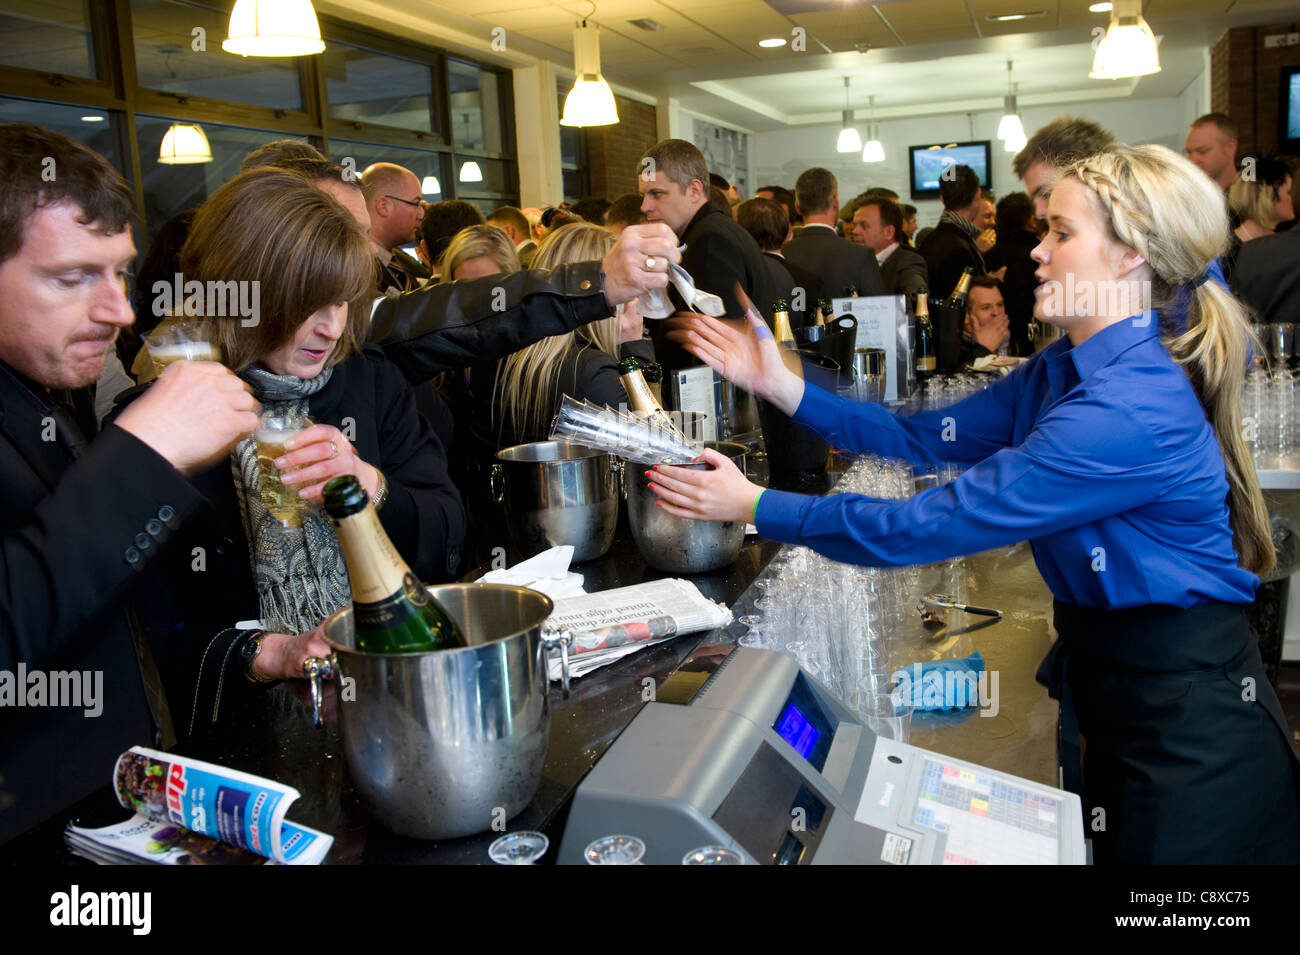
[
  {"x": 781, "y": 323},
  {"x": 392, "y": 611},
  {"x": 640, "y": 398}
]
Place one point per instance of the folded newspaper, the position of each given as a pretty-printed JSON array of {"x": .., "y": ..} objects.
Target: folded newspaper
[
  {"x": 609, "y": 625},
  {"x": 189, "y": 812}
]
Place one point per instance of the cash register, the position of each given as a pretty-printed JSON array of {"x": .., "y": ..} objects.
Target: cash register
[{"x": 745, "y": 750}]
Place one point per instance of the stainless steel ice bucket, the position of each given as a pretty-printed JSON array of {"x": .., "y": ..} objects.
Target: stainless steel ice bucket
[
  {"x": 554, "y": 492},
  {"x": 437, "y": 743},
  {"x": 676, "y": 544}
]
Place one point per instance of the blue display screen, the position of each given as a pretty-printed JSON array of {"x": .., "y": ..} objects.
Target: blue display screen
[{"x": 794, "y": 728}]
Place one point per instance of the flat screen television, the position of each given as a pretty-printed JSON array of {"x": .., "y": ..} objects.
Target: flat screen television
[
  {"x": 1288, "y": 126},
  {"x": 928, "y": 162}
]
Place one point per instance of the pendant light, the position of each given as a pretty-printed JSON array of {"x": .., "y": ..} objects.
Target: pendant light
[
  {"x": 429, "y": 186},
  {"x": 873, "y": 151},
  {"x": 1129, "y": 46},
  {"x": 591, "y": 101},
  {"x": 1010, "y": 129},
  {"x": 849, "y": 141},
  {"x": 273, "y": 28},
  {"x": 470, "y": 172},
  {"x": 184, "y": 144}
]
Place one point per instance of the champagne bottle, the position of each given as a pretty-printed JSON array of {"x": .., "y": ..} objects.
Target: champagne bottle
[
  {"x": 392, "y": 611},
  {"x": 781, "y": 323},
  {"x": 851, "y": 291},
  {"x": 654, "y": 376},
  {"x": 926, "y": 363},
  {"x": 640, "y": 398},
  {"x": 961, "y": 292},
  {"x": 822, "y": 312}
]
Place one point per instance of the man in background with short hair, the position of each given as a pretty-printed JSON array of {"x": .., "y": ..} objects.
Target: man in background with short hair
[
  {"x": 843, "y": 267},
  {"x": 514, "y": 223},
  {"x": 396, "y": 207},
  {"x": 1063, "y": 141},
  {"x": 765, "y": 220},
  {"x": 950, "y": 248},
  {"x": 623, "y": 212},
  {"x": 1212, "y": 148},
  {"x": 877, "y": 225}
]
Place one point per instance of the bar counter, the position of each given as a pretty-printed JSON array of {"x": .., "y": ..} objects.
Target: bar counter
[{"x": 1016, "y": 735}]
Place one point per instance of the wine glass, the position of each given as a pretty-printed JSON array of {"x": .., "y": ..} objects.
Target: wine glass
[
  {"x": 713, "y": 855},
  {"x": 519, "y": 848},
  {"x": 615, "y": 850}
]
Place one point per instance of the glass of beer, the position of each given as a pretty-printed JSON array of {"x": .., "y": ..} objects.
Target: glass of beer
[
  {"x": 180, "y": 341},
  {"x": 280, "y": 500}
]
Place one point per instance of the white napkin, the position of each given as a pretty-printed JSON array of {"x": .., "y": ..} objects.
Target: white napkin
[{"x": 547, "y": 572}]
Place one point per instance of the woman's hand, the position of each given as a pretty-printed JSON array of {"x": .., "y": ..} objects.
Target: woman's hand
[
  {"x": 748, "y": 357},
  {"x": 723, "y": 494},
  {"x": 283, "y": 654},
  {"x": 631, "y": 326},
  {"x": 320, "y": 453}
]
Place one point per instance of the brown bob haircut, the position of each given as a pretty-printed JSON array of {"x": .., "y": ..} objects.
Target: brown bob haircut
[{"x": 299, "y": 244}]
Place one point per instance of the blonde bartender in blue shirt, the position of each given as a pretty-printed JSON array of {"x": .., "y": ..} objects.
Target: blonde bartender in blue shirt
[{"x": 1122, "y": 439}]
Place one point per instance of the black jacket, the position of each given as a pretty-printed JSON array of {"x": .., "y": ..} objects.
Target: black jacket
[
  {"x": 794, "y": 284},
  {"x": 401, "y": 273},
  {"x": 1267, "y": 276},
  {"x": 1018, "y": 284},
  {"x": 838, "y": 262},
  {"x": 904, "y": 273},
  {"x": 78, "y": 525},
  {"x": 719, "y": 254},
  {"x": 947, "y": 251}
]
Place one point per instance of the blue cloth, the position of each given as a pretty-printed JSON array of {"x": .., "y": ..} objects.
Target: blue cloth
[
  {"x": 941, "y": 684},
  {"x": 1100, "y": 455},
  {"x": 1177, "y": 312}
]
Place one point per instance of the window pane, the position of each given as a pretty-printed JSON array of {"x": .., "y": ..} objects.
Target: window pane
[
  {"x": 428, "y": 166},
  {"x": 166, "y": 60},
  {"x": 574, "y": 184},
  {"x": 475, "y": 107},
  {"x": 497, "y": 176},
  {"x": 570, "y": 140},
  {"x": 85, "y": 124},
  {"x": 52, "y": 36},
  {"x": 172, "y": 189},
  {"x": 368, "y": 87}
]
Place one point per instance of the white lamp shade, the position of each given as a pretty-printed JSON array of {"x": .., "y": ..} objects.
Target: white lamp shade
[
  {"x": 429, "y": 186},
  {"x": 589, "y": 103},
  {"x": 1011, "y": 127},
  {"x": 873, "y": 151},
  {"x": 273, "y": 28},
  {"x": 470, "y": 172},
  {"x": 849, "y": 142},
  {"x": 1015, "y": 143},
  {"x": 183, "y": 144},
  {"x": 1126, "y": 50}
]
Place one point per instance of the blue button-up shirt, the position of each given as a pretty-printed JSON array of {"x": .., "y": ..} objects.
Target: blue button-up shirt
[{"x": 1099, "y": 454}]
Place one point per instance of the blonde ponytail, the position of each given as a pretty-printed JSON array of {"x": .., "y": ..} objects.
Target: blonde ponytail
[{"x": 1158, "y": 203}]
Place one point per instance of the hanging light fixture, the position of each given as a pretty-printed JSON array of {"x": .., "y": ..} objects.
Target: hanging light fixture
[
  {"x": 184, "y": 144},
  {"x": 470, "y": 172},
  {"x": 849, "y": 141},
  {"x": 429, "y": 186},
  {"x": 873, "y": 151},
  {"x": 1010, "y": 128},
  {"x": 273, "y": 28},
  {"x": 591, "y": 101},
  {"x": 1129, "y": 46}
]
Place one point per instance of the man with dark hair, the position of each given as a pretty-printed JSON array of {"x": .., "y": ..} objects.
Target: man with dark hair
[
  {"x": 513, "y": 223},
  {"x": 277, "y": 151},
  {"x": 950, "y": 248},
  {"x": 591, "y": 209},
  {"x": 766, "y": 221},
  {"x": 843, "y": 267},
  {"x": 440, "y": 224},
  {"x": 623, "y": 212},
  {"x": 985, "y": 330},
  {"x": 84, "y": 510},
  {"x": 783, "y": 196},
  {"x": 1063, "y": 141},
  {"x": 729, "y": 192},
  {"x": 1011, "y": 255},
  {"x": 909, "y": 226},
  {"x": 674, "y": 184},
  {"x": 1212, "y": 147},
  {"x": 396, "y": 206},
  {"x": 877, "y": 225}
]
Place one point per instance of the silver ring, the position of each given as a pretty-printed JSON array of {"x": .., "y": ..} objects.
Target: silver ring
[
  {"x": 335, "y": 448},
  {"x": 649, "y": 263}
]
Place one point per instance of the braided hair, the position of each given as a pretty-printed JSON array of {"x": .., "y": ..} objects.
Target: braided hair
[{"x": 1170, "y": 213}]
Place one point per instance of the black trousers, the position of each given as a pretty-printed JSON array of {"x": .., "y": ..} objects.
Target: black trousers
[{"x": 1186, "y": 756}]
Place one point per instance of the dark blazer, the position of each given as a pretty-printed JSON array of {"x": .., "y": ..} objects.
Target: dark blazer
[
  {"x": 1017, "y": 285},
  {"x": 401, "y": 273},
  {"x": 719, "y": 254},
  {"x": 1267, "y": 276},
  {"x": 947, "y": 251},
  {"x": 789, "y": 279},
  {"x": 904, "y": 273},
  {"x": 78, "y": 524},
  {"x": 838, "y": 262}
]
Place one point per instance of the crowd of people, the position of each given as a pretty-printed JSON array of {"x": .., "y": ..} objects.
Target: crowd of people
[{"x": 135, "y": 538}]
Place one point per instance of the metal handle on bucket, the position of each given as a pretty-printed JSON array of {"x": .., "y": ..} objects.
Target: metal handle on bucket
[
  {"x": 561, "y": 640},
  {"x": 316, "y": 670},
  {"x": 496, "y": 482},
  {"x": 616, "y": 467}
]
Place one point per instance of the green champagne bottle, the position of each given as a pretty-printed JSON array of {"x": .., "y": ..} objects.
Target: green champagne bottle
[
  {"x": 961, "y": 292},
  {"x": 926, "y": 363},
  {"x": 392, "y": 611}
]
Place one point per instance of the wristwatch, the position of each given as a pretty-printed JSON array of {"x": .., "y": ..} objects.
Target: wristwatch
[{"x": 248, "y": 652}]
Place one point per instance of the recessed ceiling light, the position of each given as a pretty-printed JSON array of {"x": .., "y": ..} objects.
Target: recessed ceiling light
[
  {"x": 645, "y": 23},
  {"x": 774, "y": 41},
  {"x": 92, "y": 119},
  {"x": 1100, "y": 7},
  {"x": 1008, "y": 17}
]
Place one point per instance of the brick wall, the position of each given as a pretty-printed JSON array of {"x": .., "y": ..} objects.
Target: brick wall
[
  {"x": 613, "y": 151},
  {"x": 1244, "y": 83}
]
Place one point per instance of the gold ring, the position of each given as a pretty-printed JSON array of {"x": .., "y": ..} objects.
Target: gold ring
[{"x": 649, "y": 263}]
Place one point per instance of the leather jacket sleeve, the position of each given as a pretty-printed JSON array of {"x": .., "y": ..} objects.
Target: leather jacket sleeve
[{"x": 453, "y": 325}]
